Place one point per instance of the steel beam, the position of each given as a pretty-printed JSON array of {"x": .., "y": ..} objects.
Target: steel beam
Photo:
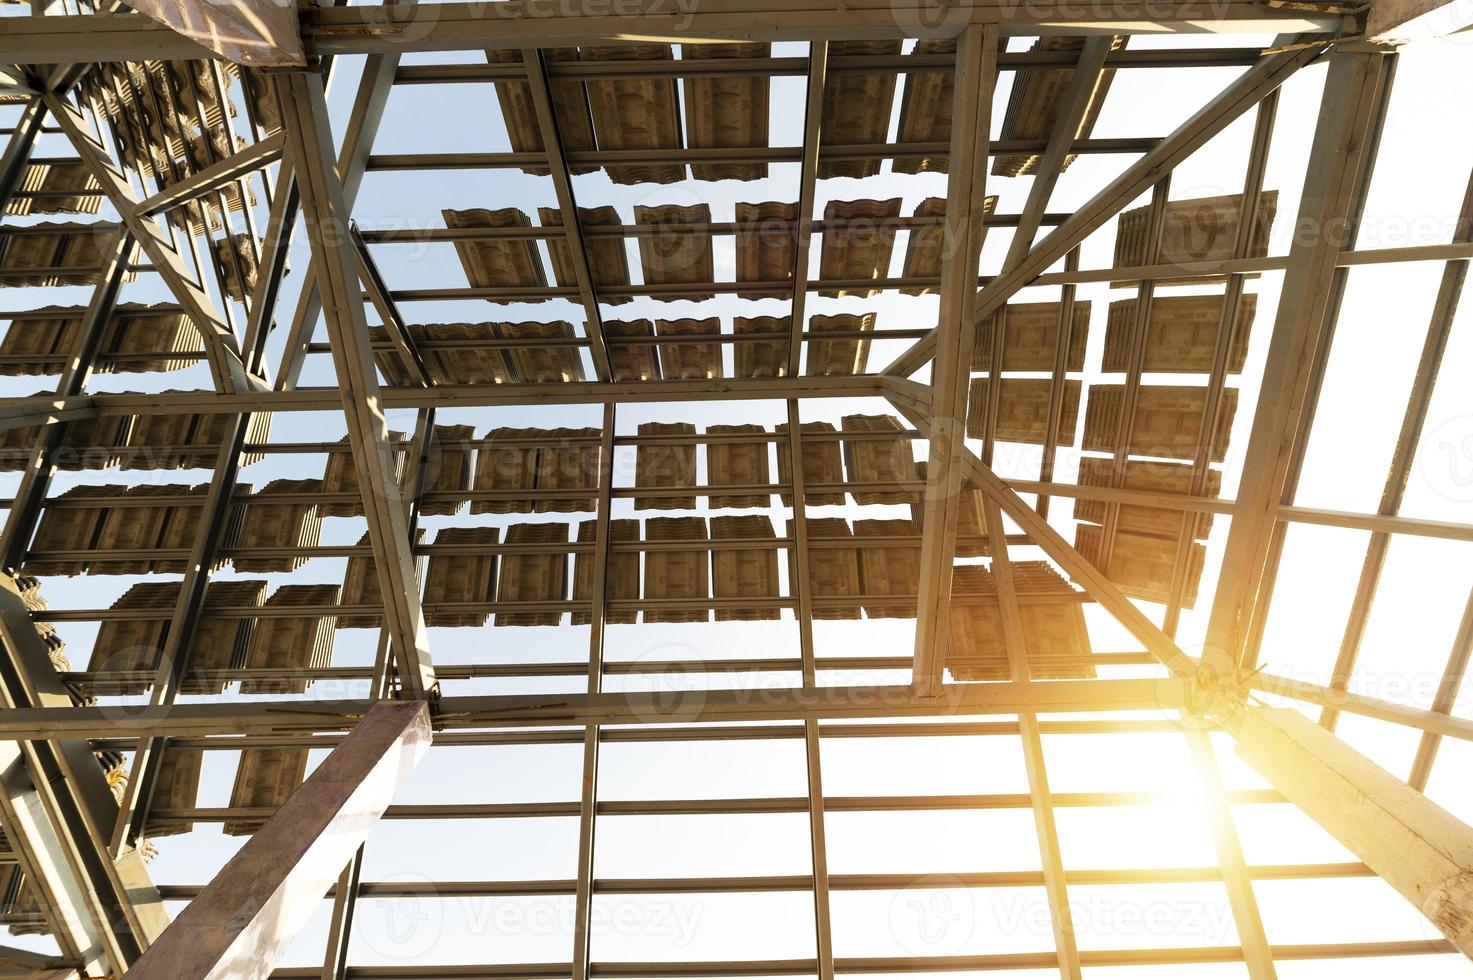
[
  {"x": 818, "y": 59},
  {"x": 215, "y": 177},
  {"x": 25, "y": 510},
  {"x": 221, "y": 344},
  {"x": 340, "y": 925},
  {"x": 1099, "y": 587},
  {"x": 1341, "y": 159},
  {"x": 1227, "y": 338},
  {"x": 800, "y": 575},
  {"x": 971, "y": 113},
  {"x": 1239, "y": 96},
  {"x": 1417, "y": 847},
  {"x": 56, "y": 807},
  {"x": 1236, "y": 875},
  {"x": 597, "y": 620},
  {"x": 241, "y": 925},
  {"x": 24, "y": 412},
  {"x": 1446, "y": 697},
  {"x": 310, "y": 146},
  {"x": 1396, "y": 22},
  {"x": 527, "y": 23},
  {"x": 250, "y": 32},
  {"x": 562, "y": 182},
  {"x": 18, "y": 147},
  {"x": 1409, "y": 437},
  {"x": 1015, "y": 645},
  {"x": 631, "y": 708},
  {"x": 1084, "y": 81},
  {"x": 375, "y": 83}
]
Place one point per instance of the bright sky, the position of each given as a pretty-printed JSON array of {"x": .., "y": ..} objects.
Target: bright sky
[{"x": 1424, "y": 168}]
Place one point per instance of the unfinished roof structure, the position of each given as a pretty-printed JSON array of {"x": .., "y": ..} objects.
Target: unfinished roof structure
[{"x": 822, "y": 469}]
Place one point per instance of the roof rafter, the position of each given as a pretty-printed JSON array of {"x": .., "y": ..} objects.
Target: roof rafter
[{"x": 309, "y": 143}]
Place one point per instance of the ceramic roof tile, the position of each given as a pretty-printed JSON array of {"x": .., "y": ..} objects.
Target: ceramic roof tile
[
  {"x": 220, "y": 642},
  {"x": 133, "y": 529},
  {"x": 235, "y": 257},
  {"x": 1056, "y": 632},
  {"x": 79, "y": 192},
  {"x": 504, "y": 464},
  {"x": 731, "y": 464},
  {"x": 889, "y": 571},
  {"x": 264, "y": 779},
  {"x": 496, "y": 262},
  {"x": 1157, "y": 476},
  {"x": 568, "y": 461},
  {"x": 765, "y": 246},
  {"x": 361, "y": 586},
  {"x": 340, "y": 475},
  {"x": 533, "y": 577},
  {"x": 822, "y": 464},
  {"x": 971, "y": 528},
  {"x": 828, "y": 358},
  {"x": 926, "y": 246},
  {"x": 138, "y": 329},
  {"x": 542, "y": 365},
  {"x": 279, "y": 525},
  {"x": 458, "y": 577},
  {"x": 671, "y": 255},
  {"x": 1023, "y": 410},
  {"x": 856, "y": 107},
  {"x": 569, "y": 107},
  {"x": 745, "y": 573},
  {"x": 70, "y": 529},
  {"x": 1036, "y": 100},
  {"x": 879, "y": 460},
  {"x": 1167, "y": 420},
  {"x": 632, "y": 362},
  {"x": 53, "y": 254},
  {"x": 291, "y": 642},
  {"x": 925, "y": 110},
  {"x": 677, "y": 574},
  {"x": 1196, "y": 230},
  {"x": 463, "y": 363},
  {"x": 665, "y": 465},
  {"x": 448, "y": 469},
  {"x": 177, "y": 788},
  {"x": 833, "y": 573},
  {"x": 181, "y": 527},
  {"x": 636, "y": 113},
  {"x": 1181, "y": 334},
  {"x": 690, "y": 361},
  {"x": 126, "y": 645},
  {"x": 726, "y": 111},
  {"x": 1141, "y": 565},
  {"x": 861, "y": 248},
  {"x": 608, "y": 259},
  {"x": 622, "y": 575},
  {"x": 1030, "y": 337},
  {"x": 761, "y": 358}
]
